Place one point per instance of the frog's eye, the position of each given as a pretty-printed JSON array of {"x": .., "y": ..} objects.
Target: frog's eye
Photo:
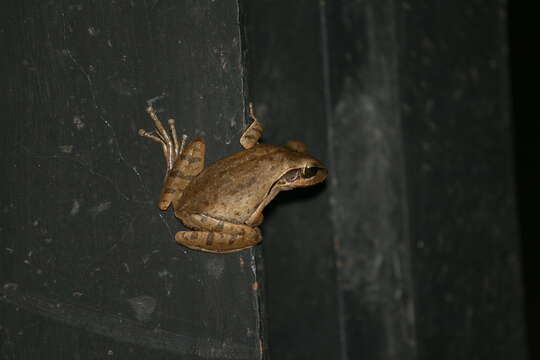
[
  {"x": 308, "y": 172},
  {"x": 291, "y": 175}
]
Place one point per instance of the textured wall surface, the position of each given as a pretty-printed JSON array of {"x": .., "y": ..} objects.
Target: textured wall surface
[{"x": 89, "y": 265}]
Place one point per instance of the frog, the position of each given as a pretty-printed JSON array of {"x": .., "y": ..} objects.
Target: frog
[{"x": 223, "y": 203}]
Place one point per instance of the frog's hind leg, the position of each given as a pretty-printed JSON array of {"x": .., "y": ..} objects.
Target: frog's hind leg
[
  {"x": 218, "y": 236},
  {"x": 189, "y": 164},
  {"x": 182, "y": 164},
  {"x": 169, "y": 143},
  {"x": 253, "y": 133}
]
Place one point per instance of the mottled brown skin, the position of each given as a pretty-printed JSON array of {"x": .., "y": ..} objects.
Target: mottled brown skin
[
  {"x": 224, "y": 202},
  {"x": 243, "y": 179}
]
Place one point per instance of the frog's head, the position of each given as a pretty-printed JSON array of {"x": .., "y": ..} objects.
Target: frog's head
[{"x": 303, "y": 171}]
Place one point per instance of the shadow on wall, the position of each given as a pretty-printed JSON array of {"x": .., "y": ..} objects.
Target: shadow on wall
[{"x": 522, "y": 62}]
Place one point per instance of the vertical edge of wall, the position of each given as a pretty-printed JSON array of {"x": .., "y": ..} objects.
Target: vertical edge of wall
[
  {"x": 286, "y": 85},
  {"x": 422, "y": 180}
]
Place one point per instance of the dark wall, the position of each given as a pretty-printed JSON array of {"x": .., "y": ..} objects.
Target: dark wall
[
  {"x": 409, "y": 251},
  {"x": 421, "y": 195},
  {"x": 88, "y": 264},
  {"x": 286, "y": 83},
  {"x": 466, "y": 257}
]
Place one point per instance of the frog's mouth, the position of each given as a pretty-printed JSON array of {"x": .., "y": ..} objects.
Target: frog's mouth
[{"x": 301, "y": 177}]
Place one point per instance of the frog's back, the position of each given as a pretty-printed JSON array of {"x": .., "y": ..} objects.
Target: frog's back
[{"x": 231, "y": 188}]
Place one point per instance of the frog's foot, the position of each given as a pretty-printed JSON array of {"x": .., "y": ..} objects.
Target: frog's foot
[
  {"x": 297, "y": 145},
  {"x": 218, "y": 236},
  {"x": 253, "y": 133},
  {"x": 171, "y": 147}
]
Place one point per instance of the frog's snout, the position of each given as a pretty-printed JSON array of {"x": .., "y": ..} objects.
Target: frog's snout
[
  {"x": 318, "y": 171},
  {"x": 324, "y": 173},
  {"x": 320, "y": 175}
]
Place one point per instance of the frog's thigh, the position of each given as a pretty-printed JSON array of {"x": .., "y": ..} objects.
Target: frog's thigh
[
  {"x": 218, "y": 236},
  {"x": 188, "y": 165}
]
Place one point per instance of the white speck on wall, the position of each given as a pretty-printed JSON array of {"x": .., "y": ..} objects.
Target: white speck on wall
[
  {"x": 215, "y": 266},
  {"x": 77, "y": 121},
  {"x": 75, "y": 207},
  {"x": 143, "y": 306},
  {"x": 66, "y": 149},
  {"x": 104, "y": 206},
  {"x": 92, "y": 31},
  {"x": 10, "y": 288},
  {"x": 163, "y": 273}
]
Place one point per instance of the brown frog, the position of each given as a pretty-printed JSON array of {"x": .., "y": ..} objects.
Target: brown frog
[{"x": 223, "y": 203}]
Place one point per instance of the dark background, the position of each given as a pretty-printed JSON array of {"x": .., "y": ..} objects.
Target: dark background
[
  {"x": 471, "y": 158},
  {"x": 524, "y": 77},
  {"x": 405, "y": 101}
]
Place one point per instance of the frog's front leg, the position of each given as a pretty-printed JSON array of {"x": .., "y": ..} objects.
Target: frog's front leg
[
  {"x": 253, "y": 133},
  {"x": 217, "y": 236}
]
